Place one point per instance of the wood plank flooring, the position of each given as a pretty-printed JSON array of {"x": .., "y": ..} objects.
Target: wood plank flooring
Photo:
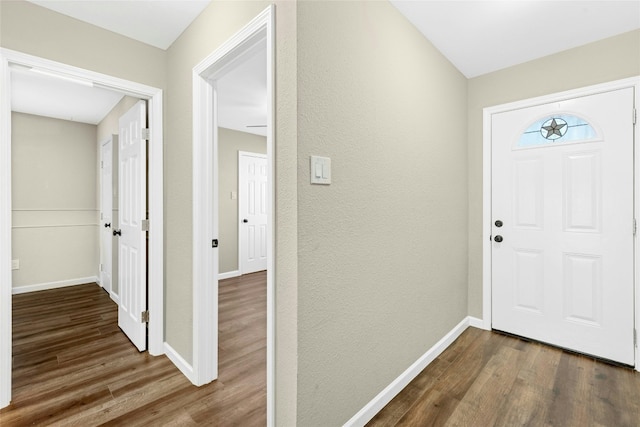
[
  {"x": 73, "y": 366},
  {"x": 489, "y": 379}
]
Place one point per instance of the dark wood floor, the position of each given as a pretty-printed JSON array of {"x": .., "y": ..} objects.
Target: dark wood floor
[
  {"x": 488, "y": 379},
  {"x": 73, "y": 366}
]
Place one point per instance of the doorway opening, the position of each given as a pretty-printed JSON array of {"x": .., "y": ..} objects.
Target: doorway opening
[
  {"x": 153, "y": 97},
  {"x": 208, "y": 76}
]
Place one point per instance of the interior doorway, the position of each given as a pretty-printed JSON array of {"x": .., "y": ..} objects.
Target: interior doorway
[
  {"x": 154, "y": 98},
  {"x": 254, "y": 37}
]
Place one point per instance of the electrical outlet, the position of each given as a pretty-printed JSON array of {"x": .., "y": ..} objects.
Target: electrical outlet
[{"x": 15, "y": 264}]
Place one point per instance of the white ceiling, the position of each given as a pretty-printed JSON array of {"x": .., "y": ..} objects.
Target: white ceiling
[
  {"x": 242, "y": 95},
  {"x": 478, "y": 37},
  {"x": 49, "y": 96},
  {"x": 155, "y": 22}
]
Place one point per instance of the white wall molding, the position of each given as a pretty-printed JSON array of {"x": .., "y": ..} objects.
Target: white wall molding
[
  {"x": 475, "y": 322},
  {"x": 181, "y": 364},
  {"x": 114, "y": 297},
  {"x": 385, "y": 396},
  {"x": 228, "y": 275},
  {"x": 54, "y": 285}
]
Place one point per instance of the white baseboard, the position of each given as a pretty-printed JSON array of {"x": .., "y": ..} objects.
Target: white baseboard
[
  {"x": 228, "y": 275},
  {"x": 380, "y": 401},
  {"x": 53, "y": 285},
  {"x": 180, "y": 363},
  {"x": 114, "y": 297},
  {"x": 475, "y": 322}
]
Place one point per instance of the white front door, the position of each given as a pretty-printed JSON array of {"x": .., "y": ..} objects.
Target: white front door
[
  {"x": 106, "y": 213},
  {"x": 132, "y": 242},
  {"x": 252, "y": 209},
  {"x": 563, "y": 221}
]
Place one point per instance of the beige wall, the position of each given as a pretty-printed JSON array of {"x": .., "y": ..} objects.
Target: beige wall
[
  {"x": 106, "y": 128},
  {"x": 382, "y": 251},
  {"x": 32, "y": 29},
  {"x": 610, "y": 59},
  {"x": 230, "y": 142},
  {"x": 53, "y": 192}
]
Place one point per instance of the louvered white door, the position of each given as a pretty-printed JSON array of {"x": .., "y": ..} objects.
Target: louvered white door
[
  {"x": 132, "y": 243},
  {"x": 562, "y": 209},
  {"x": 252, "y": 208}
]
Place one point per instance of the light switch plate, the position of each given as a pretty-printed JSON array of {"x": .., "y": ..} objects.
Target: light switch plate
[
  {"x": 15, "y": 264},
  {"x": 320, "y": 168}
]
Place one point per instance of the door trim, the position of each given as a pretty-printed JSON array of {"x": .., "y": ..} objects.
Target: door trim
[
  {"x": 486, "y": 187},
  {"x": 111, "y": 139},
  {"x": 156, "y": 234},
  {"x": 241, "y": 266},
  {"x": 205, "y": 199}
]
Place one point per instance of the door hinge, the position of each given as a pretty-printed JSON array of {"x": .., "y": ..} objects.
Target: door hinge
[
  {"x": 101, "y": 215},
  {"x": 144, "y": 224},
  {"x": 635, "y": 338},
  {"x": 101, "y": 164},
  {"x": 635, "y": 116},
  {"x": 101, "y": 268},
  {"x": 144, "y": 316},
  {"x": 145, "y": 133},
  {"x": 635, "y": 226}
]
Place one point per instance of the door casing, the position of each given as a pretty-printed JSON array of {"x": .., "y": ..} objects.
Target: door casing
[
  {"x": 486, "y": 187},
  {"x": 156, "y": 236},
  {"x": 106, "y": 206}
]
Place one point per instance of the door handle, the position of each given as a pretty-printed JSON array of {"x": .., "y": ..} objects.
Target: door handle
[
  {"x": 107, "y": 224},
  {"x": 117, "y": 232},
  {"x": 245, "y": 220},
  {"x": 498, "y": 238}
]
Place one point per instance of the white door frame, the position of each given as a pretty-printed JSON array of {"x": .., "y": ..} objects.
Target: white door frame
[
  {"x": 486, "y": 187},
  {"x": 101, "y": 226},
  {"x": 205, "y": 199},
  {"x": 240, "y": 191},
  {"x": 156, "y": 255}
]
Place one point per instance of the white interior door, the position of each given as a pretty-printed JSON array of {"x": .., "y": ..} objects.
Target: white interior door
[
  {"x": 562, "y": 255},
  {"x": 132, "y": 242},
  {"x": 106, "y": 213},
  {"x": 252, "y": 209}
]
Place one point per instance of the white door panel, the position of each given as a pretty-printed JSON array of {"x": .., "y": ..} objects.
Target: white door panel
[
  {"x": 132, "y": 242},
  {"x": 564, "y": 272},
  {"x": 252, "y": 208}
]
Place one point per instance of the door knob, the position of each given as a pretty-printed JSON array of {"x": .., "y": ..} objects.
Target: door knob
[
  {"x": 107, "y": 224},
  {"x": 498, "y": 238},
  {"x": 245, "y": 220},
  {"x": 498, "y": 223},
  {"x": 117, "y": 232}
]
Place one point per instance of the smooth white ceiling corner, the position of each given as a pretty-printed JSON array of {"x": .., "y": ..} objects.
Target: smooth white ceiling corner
[
  {"x": 479, "y": 37},
  {"x": 155, "y": 22}
]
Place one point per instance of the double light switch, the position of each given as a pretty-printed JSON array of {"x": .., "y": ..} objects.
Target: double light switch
[{"x": 320, "y": 170}]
